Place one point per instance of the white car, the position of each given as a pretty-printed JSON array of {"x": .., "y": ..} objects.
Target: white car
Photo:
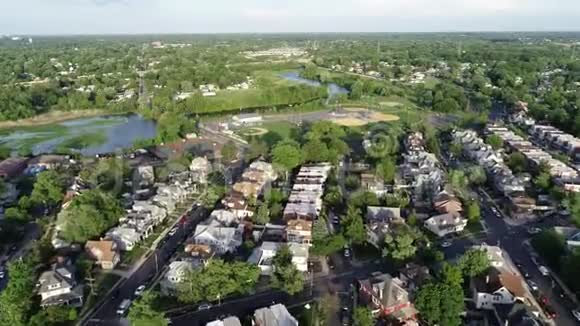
[
  {"x": 2, "y": 274},
  {"x": 172, "y": 232},
  {"x": 139, "y": 291},
  {"x": 544, "y": 270},
  {"x": 446, "y": 244},
  {"x": 576, "y": 314},
  {"x": 534, "y": 230}
]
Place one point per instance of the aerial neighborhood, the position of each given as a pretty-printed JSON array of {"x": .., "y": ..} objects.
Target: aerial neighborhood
[{"x": 290, "y": 179}]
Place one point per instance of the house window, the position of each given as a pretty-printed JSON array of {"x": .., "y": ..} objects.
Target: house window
[{"x": 53, "y": 286}]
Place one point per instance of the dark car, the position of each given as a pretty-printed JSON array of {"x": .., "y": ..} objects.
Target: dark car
[{"x": 550, "y": 312}]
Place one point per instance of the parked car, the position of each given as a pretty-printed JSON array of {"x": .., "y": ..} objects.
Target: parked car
[
  {"x": 347, "y": 252},
  {"x": 204, "y": 306},
  {"x": 544, "y": 270},
  {"x": 123, "y": 307},
  {"x": 344, "y": 317},
  {"x": 2, "y": 274},
  {"x": 550, "y": 312},
  {"x": 172, "y": 232},
  {"x": 534, "y": 230},
  {"x": 139, "y": 291},
  {"x": 533, "y": 286},
  {"x": 576, "y": 314},
  {"x": 446, "y": 244}
]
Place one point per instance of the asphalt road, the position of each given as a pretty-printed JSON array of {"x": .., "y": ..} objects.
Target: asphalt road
[
  {"x": 31, "y": 234},
  {"x": 512, "y": 239},
  {"x": 106, "y": 313}
]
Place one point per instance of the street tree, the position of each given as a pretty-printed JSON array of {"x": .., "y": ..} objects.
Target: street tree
[
  {"x": 142, "y": 312},
  {"x": 400, "y": 244},
  {"x": 262, "y": 216},
  {"x": 286, "y": 154},
  {"x": 456, "y": 149},
  {"x": 494, "y": 141},
  {"x": 285, "y": 276},
  {"x": 363, "y": 316},
  {"x": 48, "y": 189},
  {"x": 16, "y": 298},
  {"x": 517, "y": 162},
  {"x": 474, "y": 262},
  {"x": 53, "y": 316},
  {"x": 473, "y": 211},
  {"x": 386, "y": 169},
  {"x": 229, "y": 152},
  {"x": 353, "y": 226}
]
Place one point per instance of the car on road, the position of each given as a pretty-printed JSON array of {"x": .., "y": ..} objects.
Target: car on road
[
  {"x": 346, "y": 252},
  {"x": 544, "y": 270},
  {"x": 204, "y": 306},
  {"x": 495, "y": 212},
  {"x": 534, "y": 230},
  {"x": 576, "y": 314},
  {"x": 335, "y": 220},
  {"x": 139, "y": 291},
  {"x": 124, "y": 307},
  {"x": 2, "y": 274},
  {"x": 550, "y": 312},
  {"x": 172, "y": 232},
  {"x": 446, "y": 244},
  {"x": 533, "y": 286},
  {"x": 344, "y": 316}
]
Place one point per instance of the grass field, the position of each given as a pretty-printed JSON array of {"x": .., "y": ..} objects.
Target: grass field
[{"x": 51, "y": 118}]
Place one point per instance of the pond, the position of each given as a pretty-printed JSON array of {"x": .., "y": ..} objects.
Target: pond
[
  {"x": 333, "y": 89},
  {"x": 89, "y": 136}
]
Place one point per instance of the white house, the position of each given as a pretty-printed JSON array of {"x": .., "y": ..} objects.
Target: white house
[
  {"x": 58, "y": 287},
  {"x": 263, "y": 256},
  {"x": 175, "y": 275},
  {"x": 125, "y": 237},
  {"x": 221, "y": 239},
  {"x": 497, "y": 287},
  {"x": 224, "y": 217},
  {"x": 444, "y": 224}
]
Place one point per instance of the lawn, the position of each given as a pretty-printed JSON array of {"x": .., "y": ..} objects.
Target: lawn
[{"x": 281, "y": 128}]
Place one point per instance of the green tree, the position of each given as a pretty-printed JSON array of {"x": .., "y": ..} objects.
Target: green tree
[
  {"x": 89, "y": 215},
  {"x": 363, "y": 316},
  {"x": 16, "y": 298},
  {"x": 474, "y": 262},
  {"x": 572, "y": 204},
  {"x": 494, "y": 141},
  {"x": 262, "y": 216},
  {"x": 441, "y": 302},
  {"x": 218, "y": 280},
  {"x": 285, "y": 276},
  {"x": 543, "y": 181},
  {"x": 386, "y": 169},
  {"x": 400, "y": 244},
  {"x": 53, "y": 316},
  {"x": 451, "y": 274},
  {"x": 551, "y": 246},
  {"x": 473, "y": 211},
  {"x": 142, "y": 312},
  {"x": 476, "y": 175},
  {"x": 257, "y": 148},
  {"x": 333, "y": 196},
  {"x": 456, "y": 149},
  {"x": 517, "y": 162},
  {"x": 287, "y": 155},
  {"x": 48, "y": 189},
  {"x": 16, "y": 215},
  {"x": 229, "y": 152},
  {"x": 353, "y": 226}
]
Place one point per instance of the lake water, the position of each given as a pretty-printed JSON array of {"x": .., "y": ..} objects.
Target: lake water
[
  {"x": 333, "y": 89},
  {"x": 119, "y": 132}
]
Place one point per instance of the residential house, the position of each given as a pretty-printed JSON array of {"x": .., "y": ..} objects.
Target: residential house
[
  {"x": 299, "y": 231},
  {"x": 224, "y": 217},
  {"x": 200, "y": 254},
  {"x": 228, "y": 321},
  {"x": 221, "y": 239},
  {"x": 276, "y": 315},
  {"x": 495, "y": 255},
  {"x": 12, "y": 167},
  {"x": 372, "y": 183},
  {"x": 521, "y": 206},
  {"x": 445, "y": 202},
  {"x": 104, "y": 252},
  {"x": 386, "y": 296},
  {"x": 175, "y": 275},
  {"x": 412, "y": 276},
  {"x": 516, "y": 314},
  {"x": 238, "y": 205},
  {"x": 143, "y": 177},
  {"x": 571, "y": 234},
  {"x": 444, "y": 224},
  {"x": 200, "y": 168},
  {"x": 47, "y": 162},
  {"x": 379, "y": 221},
  {"x": 497, "y": 287},
  {"x": 58, "y": 287},
  {"x": 125, "y": 237},
  {"x": 263, "y": 256}
]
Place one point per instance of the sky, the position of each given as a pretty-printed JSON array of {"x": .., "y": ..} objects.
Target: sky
[{"x": 50, "y": 17}]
